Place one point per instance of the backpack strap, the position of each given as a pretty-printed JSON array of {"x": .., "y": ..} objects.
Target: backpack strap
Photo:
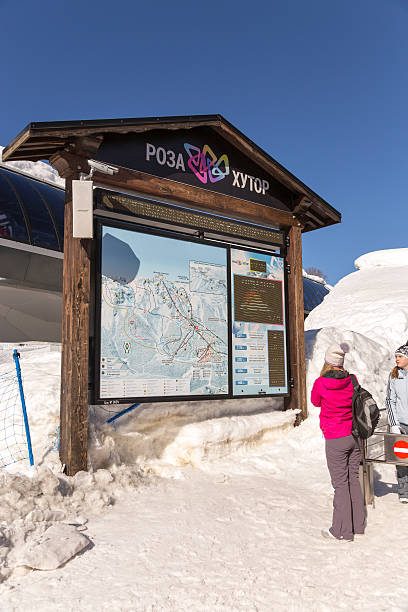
[{"x": 354, "y": 381}]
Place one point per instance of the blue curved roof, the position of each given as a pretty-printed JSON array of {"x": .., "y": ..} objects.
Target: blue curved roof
[
  {"x": 31, "y": 211},
  {"x": 313, "y": 294}
]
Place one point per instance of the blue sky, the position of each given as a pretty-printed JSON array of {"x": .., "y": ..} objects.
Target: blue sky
[{"x": 321, "y": 86}]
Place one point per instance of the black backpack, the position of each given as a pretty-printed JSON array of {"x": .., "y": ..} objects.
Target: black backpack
[{"x": 365, "y": 411}]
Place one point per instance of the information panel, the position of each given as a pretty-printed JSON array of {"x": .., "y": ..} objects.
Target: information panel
[
  {"x": 164, "y": 317},
  {"x": 258, "y": 326},
  {"x": 148, "y": 209}
]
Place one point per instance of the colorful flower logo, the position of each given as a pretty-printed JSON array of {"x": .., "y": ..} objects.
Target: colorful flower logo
[{"x": 205, "y": 164}]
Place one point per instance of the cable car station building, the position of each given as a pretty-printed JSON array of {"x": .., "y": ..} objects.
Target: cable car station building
[{"x": 182, "y": 271}]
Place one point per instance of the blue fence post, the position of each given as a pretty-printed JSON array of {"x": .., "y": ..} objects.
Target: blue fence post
[{"x": 16, "y": 357}]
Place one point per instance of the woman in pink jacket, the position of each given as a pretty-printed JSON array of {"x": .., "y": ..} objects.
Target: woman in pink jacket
[{"x": 333, "y": 392}]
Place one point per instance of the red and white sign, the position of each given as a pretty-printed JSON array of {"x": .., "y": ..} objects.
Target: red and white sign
[{"x": 401, "y": 449}]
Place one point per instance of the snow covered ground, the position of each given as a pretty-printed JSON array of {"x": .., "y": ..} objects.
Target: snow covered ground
[
  {"x": 211, "y": 506},
  {"x": 371, "y": 301}
]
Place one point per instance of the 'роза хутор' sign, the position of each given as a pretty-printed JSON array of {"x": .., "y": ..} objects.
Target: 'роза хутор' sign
[{"x": 197, "y": 157}]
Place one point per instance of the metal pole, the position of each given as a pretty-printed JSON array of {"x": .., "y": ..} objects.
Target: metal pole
[
  {"x": 16, "y": 357},
  {"x": 119, "y": 414},
  {"x": 368, "y": 482}
]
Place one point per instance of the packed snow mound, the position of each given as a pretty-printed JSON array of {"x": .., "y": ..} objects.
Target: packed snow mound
[
  {"x": 38, "y": 170},
  {"x": 371, "y": 302},
  {"x": 190, "y": 433},
  {"x": 39, "y": 362},
  {"x": 34, "y": 503},
  {"x": 41, "y": 507},
  {"x": 369, "y": 361},
  {"x": 384, "y": 259},
  {"x": 154, "y": 436},
  {"x": 43, "y": 513},
  {"x": 53, "y": 546},
  {"x": 32, "y": 500}
]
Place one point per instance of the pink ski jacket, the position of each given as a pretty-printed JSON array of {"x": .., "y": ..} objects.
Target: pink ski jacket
[{"x": 333, "y": 393}]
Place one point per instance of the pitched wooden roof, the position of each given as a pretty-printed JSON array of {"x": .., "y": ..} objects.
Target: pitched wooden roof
[{"x": 40, "y": 141}]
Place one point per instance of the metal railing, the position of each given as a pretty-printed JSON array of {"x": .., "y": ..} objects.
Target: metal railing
[{"x": 382, "y": 447}]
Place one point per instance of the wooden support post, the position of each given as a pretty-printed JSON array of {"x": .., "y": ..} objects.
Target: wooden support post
[
  {"x": 297, "y": 397},
  {"x": 75, "y": 345}
]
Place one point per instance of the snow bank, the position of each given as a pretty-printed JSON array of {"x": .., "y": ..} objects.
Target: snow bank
[
  {"x": 163, "y": 438},
  {"x": 394, "y": 258},
  {"x": 52, "y": 547},
  {"x": 191, "y": 433},
  {"x": 153, "y": 435},
  {"x": 39, "y": 170},
  {"x": 34, "y": 500},
  {"x": 370, "y": 361},
  {"x": 367, "y": 309},
  {"x": 153, "y": 440},
  {"x": 371, "y": 302},
  {"x": 32, "y": 503}
]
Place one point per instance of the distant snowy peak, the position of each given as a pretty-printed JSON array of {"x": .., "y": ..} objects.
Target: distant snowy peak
[
  {"x": 38, "y": 170},
  {"x": 390, "y": 258}
]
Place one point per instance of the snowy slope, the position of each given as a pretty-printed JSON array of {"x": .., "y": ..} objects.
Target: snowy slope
[
  {"x": 212, "y": 505},
  {"x": 391, "y": 258},
  {"x": 371, "y": 301}
]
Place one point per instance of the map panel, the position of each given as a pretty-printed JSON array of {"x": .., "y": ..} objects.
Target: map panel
[
  {"x": 164, "y": 323},
  {"x": 258, "y": 329},
  {"x": 207, "y": 279}
]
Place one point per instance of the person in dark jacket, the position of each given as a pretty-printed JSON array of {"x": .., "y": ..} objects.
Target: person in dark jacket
[
  {"x": 333, "y": 392},
  {"x": 396, "y": 402}
]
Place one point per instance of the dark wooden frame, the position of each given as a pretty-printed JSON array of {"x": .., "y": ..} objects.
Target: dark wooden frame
[
  {"x": 75, "y": 344},
  {"x": 76, "y": 289},
  {"x": 68, "y": 146},
  {"x": 97, "y": 310},
  {"x": 223, "y": 234}
]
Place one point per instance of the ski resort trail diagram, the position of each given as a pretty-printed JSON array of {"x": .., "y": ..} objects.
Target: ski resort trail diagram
[
  {"x": 164, "y": 324},
  {"x": 259, "y": 335}
]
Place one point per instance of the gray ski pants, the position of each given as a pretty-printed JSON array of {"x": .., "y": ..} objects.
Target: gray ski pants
[
  {"x": 402, "y": 471},
  {"x": 343, "y": 461}
]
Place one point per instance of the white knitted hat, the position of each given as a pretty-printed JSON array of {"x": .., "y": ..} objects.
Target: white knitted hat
[
  {"x": 402, "y": 350},
  {"x": 335, "y": 354}
]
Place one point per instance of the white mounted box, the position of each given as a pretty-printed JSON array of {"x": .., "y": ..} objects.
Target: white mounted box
[{"x": 82, "y": 209}]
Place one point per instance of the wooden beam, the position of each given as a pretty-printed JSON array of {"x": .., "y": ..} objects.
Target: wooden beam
[
  {"x": 94, "y": 128},
  {"x": 302, "y": 204},
  {"x": 15, "y": 144},
  {"x": 297, "y": 357},
  {"x": 75, "y": 345},
  {"x": 45, "y": 140},
  {"x": 180, "y": 193},
  {"x": 205, "y": 200},
  {"x": 43, "y": 147},
  {"x": 35, "y": 153},
  {"x": 90, "y": 133},
  {"x": 33, "y": 157}
]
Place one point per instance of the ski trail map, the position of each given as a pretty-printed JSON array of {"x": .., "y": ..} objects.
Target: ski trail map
[{"x": 164, "y": 322}]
